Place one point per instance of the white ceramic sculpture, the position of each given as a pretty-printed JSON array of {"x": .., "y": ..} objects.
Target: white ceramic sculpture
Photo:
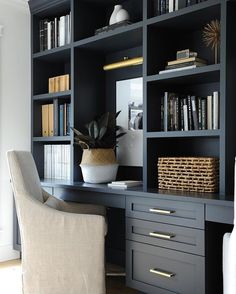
[
  {"x": 117, "y": 8},
  {"x": 119, "y": 14}
]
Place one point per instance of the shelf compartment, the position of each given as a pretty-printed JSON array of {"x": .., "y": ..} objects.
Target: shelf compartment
[
  {"x": 208, "y": 73},
  {"x": 52, "y": 139},
  {"x": 184, "y": 134},
  {"x": 50, "y": 96},
  {"x": 174, "y": 147},
  {"x": 96, "y": 14},
  {"x": 189, "y": 18},
  {"x": 54, "y": 55},
  {"x": 119, "y": 39}
]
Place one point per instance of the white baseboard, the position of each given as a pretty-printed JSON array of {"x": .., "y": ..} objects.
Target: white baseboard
[{"x": 7, "y": 253}]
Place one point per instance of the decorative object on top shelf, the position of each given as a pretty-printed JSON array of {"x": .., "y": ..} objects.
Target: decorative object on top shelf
[
  {"x": 194, "y": 174},
  {"x": 98, "y": 161},
  {"x": 211, "y": 37},
  {"x": 124, "y": 63},
  {"x": 191, "y": 61},
  {"x": 119, "y": 14}
]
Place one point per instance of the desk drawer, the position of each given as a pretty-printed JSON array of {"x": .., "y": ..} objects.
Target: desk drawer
[
  {"x": 167, "y": 236},
  {"x": 166, "y": 211},
  {"x": 158, "y": 270}
]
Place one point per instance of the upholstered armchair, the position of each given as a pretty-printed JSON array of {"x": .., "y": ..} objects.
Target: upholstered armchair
[
  {"x": 62, "y": 242},
  {"x": 229, "y": 254}
]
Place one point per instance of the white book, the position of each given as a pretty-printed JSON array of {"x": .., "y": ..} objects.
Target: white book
[
  {"x": 57, "y": 162},
  {"x": 185, "y": 110},
  {"x": 62, "y": 25},
  {"x": 69, "y": 40},
  {"x": 215, "y": 110},
  {"x": 125, "y": 184},
  {"x": 49, "y": 165},
  {"x": 67, "y": 27},
  {"x": 209, "y": 112},
  {"x": 171, "y": 5},
  {"x": 180, "y": 4},
  {"x": 116, "y": 186},
  {"x": 178, "y": 69},
  {"x": 53, "y": 161},
  {"x": 49, "y": 35},
  {"x": 45, "y": 162}
]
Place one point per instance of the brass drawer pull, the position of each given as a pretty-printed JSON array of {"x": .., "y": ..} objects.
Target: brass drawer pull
[
  {"x": 161, "y": 211},
  {"x": 161, "y": 235},
  {"x": 161, "y": 273}
]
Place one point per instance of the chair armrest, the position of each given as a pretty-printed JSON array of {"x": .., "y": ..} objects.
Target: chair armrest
[
  {"x": 74, "y": 207},
  {"x": 60, "y": 244}
]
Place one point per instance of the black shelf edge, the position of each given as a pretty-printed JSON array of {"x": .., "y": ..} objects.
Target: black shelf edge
[
  {"x": 52, "y": 139},
  {"x": 184, "y": 134},
  {"x": 48, "y": 96},
  {"x": 212, "y": 70},
  {"x": 51, "y": 52},
  {"x": 183, "y": 11},
  {"x": 88, "y": 42}
]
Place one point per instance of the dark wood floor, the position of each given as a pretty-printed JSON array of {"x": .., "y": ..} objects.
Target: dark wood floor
[{"x": 116, "y": 285}]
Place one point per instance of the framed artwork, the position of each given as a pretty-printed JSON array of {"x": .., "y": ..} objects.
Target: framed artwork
[{"x": 129, "y": 99}]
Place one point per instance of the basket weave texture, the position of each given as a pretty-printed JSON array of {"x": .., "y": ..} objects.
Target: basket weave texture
[
  {"x": 195, "y": 174},
  {"x": 98, "y": 156}
]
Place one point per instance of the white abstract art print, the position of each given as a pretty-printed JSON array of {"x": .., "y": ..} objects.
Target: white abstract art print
[{"x": 129, "y": 99}]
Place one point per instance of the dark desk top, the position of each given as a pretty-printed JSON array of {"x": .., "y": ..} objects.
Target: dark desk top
[{"x": 207, "y": 198}]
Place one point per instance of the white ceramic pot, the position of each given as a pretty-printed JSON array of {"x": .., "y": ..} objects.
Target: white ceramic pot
[
  {"x": 113, "y": 20},
  {"x": 122, "y": 15},
  {"x": 98, "y": 174}
]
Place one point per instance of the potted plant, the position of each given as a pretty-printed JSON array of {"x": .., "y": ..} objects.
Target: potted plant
[{"x": 98, "y": 162}]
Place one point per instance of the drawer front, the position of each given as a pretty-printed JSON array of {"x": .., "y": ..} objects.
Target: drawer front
[
  {"x": 158, "y": 270},
  {"x": 166, "y": 211},
  {"x": 165, "y": 235}
]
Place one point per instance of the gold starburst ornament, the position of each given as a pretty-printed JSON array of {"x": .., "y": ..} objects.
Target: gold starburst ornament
[{"x": 211, "y": 36}]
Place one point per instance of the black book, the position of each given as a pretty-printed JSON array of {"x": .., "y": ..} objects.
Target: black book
[
  {"x": 204, "y": 113},
  {"x": 163, "y": 6},
  {"x": 199, "y": 110},
  {"x": 45, "y": 39},
  {"x": 166, "y": 111},
  {"x": 190, "y": 118},
  {"x": 194, "y": 112},
  {"x": 176, "y": 114},
  {"x": 56, "y": 117},
  {"x": 41, "y": 35},
  {"x": 162, "y": 114},
  {"x": 181, "y": 114},
  {"x": 171, "y": 114},
  {"x": 156, "y": 7},
  {"x": 191, "y": 2}
]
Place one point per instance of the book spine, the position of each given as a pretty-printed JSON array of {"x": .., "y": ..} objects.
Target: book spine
[
  {"x": 204, "y": 114},
  {"x": 184, "y": 64},
  {"x": 65, "y": 119},
  {"x": 181, "y": 114},
  {"x": 45, "y": 122},
  {"x": 162, "y": 6},
  {"x": 199, "y": 105},
  {"x": 49, "y": 46},
  {"x": 185, "y": 110},
  {"x": 57, "y": 84},
  {"x": 166, "y": 112},
  {"x": 171, "y": 113},
  {"x": 68, "y": 109},
  {"x": 209, "y": 112},
  {"x": 56, "y": 118},
  {"x": 162, "y": 114},
  {"x": 156, "y": 7},
  {"x": 49, "y": 161},
  {"x": 51, "y": 120},
  {"x": 41, "y": 35},
  {"x": 45, "y": 162},
  {"x": 51, "y": 85},
  {"x": 171, "y": 5},
  {"x": 61, "y": 119},
  {"x": 62, "y": 31},
  {"x": 62, "y": 83},
  {"x": 215, "y": 110},
  {"x": 55, "y": 32},
  {"x": 45, "y": 39},
  {"x": 190, "y": 119},
  {"x": 177, "y": 69},
  {"x": 194, "y": 112}
]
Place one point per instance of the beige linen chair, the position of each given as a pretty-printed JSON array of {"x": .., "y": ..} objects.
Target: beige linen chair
[{"x": 62, "y": 242}]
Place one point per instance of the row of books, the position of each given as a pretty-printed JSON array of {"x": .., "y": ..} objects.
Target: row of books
[
  {"x": 57, "y": 162},
  {"x": 166, "y": 6},
  {"x": 56, "y": 119},
  {"x": 183, "y": 64},
  {"x": 59, "y": 83},
  {"x": 184, "y": 113},
  {"x": 54, "y": 33}
]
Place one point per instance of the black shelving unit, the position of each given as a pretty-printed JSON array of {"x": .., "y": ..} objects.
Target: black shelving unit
[{"x": 156, "y": 38}]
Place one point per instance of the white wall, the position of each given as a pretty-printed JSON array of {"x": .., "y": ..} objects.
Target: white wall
[{"x": 14, "y": 106}]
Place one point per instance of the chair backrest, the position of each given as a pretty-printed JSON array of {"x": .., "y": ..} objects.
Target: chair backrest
[{"x": 24, "y": 175}]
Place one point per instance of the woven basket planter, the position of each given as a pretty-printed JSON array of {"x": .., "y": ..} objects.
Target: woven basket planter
[
  {"x": 195, "y": 174},
  {"x": 99, "y": 165}
]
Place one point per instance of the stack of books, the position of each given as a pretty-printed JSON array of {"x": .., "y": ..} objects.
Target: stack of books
[
  {"x": 59, "y": 83},
  {"x": 167, "y": 6},
  {"x": 124, "y": 184},
  {"x": 57, "y": 162},
  {"x": 185, "y": 113},
  {"x": 56, "y": 119},
  {"x": 54, "y": 33},
  {"x": 185, "y": 59}
]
